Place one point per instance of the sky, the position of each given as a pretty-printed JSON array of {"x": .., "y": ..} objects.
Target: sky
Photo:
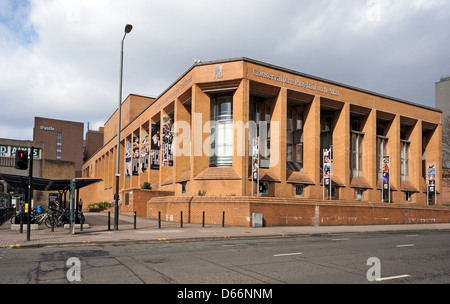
[{"x": 60, "y": 59}]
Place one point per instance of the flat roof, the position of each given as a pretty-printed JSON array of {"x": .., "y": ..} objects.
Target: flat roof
[{"x": 44, "y": 184}]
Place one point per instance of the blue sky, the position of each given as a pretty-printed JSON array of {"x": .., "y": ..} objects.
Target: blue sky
[
  {"x": 15, "y": 23},
  {"x": 60, "y": 58}
]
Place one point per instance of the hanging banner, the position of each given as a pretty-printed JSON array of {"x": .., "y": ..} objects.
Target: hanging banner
[
  {"x": 386, "y": 180},
  {"x": 127, "y": 158},
  {"x": 135, "y": 156},
  {"x": 155, "y": 146},
  {"x": 326, "y": 167},
  {"x": 144, "y": 151},
  {"x": 327, "y": 171},
  {"x": 167, "y": 142},
  {"x": 255, "y": 159},
  {"x": 431, "y": 177}
]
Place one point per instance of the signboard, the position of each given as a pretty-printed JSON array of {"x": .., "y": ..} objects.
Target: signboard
[
  {"x": 127, "y": 158},
  {"x": 155, "y": 146},
  {"x": 431, "y": 181},
  {"x": 135, "y": 156},
  {"x": 386, "y": 180},
  {"x": 10, "y": 151},
  {"x": 167, "y": 142},
  {"x": 327, "y": 171},
  {"x": 144, "y": 151}
]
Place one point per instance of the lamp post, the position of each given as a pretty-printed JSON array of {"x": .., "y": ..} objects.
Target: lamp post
[{"x": 128, "y": 29}]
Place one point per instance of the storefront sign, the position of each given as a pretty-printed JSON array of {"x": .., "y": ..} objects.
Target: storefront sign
[
  {"x": 47, "y": 128},
  {"x": 10, "y": 151},
  {"x": 296, "y": 82}
]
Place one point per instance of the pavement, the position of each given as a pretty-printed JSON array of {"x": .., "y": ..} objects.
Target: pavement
[{"x": 147, "y": 231}]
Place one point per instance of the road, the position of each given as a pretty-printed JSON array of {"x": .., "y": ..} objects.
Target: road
[{"x": 404, "y": 258}]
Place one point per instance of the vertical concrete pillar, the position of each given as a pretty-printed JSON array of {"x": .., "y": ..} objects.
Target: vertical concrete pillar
[
  {"x": 341, "y": 150},
  {"x": 240, "y": 120},
  {"x": 311, "y": 146},
  {"x": 278, "y": 149},
  {"x": 415, "y": 160},
  {"x": 393, "y": 150},
  {"x": 200, "y": 109},
  {"x": 370, "y": 155},
  {"x": 182, "y": 140}
]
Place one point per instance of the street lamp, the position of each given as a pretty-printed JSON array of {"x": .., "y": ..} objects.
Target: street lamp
[{"x": 128, "y": 29}]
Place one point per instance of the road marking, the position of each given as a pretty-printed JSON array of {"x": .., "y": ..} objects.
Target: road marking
[
  {"x": 412, "y": 235},
  {"x": 393, "y": 278},
  {"x": 406, "y": 245},
  {"x": 287, "y": 254},
  {"x": 345, "y": 239}
]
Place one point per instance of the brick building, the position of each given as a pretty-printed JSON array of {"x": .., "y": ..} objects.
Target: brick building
[
  {"x": 197, "y": 139},
  {"x": 63, "y": 140}
]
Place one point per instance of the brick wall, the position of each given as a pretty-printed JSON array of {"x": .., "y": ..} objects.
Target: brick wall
[{"x": 291, "y": 212}]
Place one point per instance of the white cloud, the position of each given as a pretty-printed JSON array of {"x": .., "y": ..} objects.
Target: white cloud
[{"x": 60, "y": 58}]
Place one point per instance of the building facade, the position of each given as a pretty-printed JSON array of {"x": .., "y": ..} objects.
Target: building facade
[
  {"x": 63, "y": 140},
  {"x": 442, "y": 102},
  {"x": 199, "y": 138}
]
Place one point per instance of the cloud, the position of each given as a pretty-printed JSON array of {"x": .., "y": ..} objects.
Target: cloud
[{"x": 60, "y": 58}]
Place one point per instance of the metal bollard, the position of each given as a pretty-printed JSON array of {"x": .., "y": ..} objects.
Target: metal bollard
[
  {"x": 134, "y": 219},
  {"x": 109, "y": 220},
  {"x": 223, "y": 219},
  {"x": 181, "y": 219},
  {"x": 203, "y": 219},
  {"x": 159, "y": 219},
  {"x": 81, "y": 221}
]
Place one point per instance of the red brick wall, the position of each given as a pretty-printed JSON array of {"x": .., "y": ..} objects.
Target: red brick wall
[{"x": 292, "y": 212}]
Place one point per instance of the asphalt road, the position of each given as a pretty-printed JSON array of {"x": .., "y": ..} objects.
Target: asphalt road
[{"x": 404, "y": 258}]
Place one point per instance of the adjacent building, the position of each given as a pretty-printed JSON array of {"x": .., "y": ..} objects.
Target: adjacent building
[
  {"x": 240, "y": 127},
  {"x": 63, "y": 140}
]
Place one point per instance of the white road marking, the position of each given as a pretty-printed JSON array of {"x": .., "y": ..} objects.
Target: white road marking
[
  {"x": 287, "y": 254},
  {"x": 406, "y": 245},
  {"x": 393, "y": 278}
]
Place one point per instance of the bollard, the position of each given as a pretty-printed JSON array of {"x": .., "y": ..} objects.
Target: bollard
[
  {"x": 81, "y": 221},
  {"x": 181, "y": 219},
  {"x": 109, "y": 220},
  {"x": 134, "y": 219},
  {"x": 159, "y": 219},
  {"x": 203, "y": 219},
  {"x": 223, "y": 219}
]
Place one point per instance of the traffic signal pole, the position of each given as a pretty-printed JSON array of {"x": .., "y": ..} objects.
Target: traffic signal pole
[{"x": 30, "y": 193}]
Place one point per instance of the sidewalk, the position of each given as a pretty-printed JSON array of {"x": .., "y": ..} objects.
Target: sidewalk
[{"x": 147, "y": 231}]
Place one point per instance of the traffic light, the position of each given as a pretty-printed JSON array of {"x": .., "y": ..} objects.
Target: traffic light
[{"x": 21, "y": 160}]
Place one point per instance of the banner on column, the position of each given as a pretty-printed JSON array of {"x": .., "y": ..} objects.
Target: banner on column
[
  {"x": 144, "y": 151},
  {"x": 255, "y": 158},
  {"x": 135, "y": 169},
  {"x": 155, "y": 146},
  {"x": 386, "y": 173},
  {"x": 167, "y": 144},
  {"x": 431, "y": 177},
  {"x": 127, "y": 158},
  {"x": 326, "y": 167}
]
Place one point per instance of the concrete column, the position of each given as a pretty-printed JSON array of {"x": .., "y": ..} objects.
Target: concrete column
[
  {"x": 278, "y": 141},
  {"x": 240, "y": 146},
  {"x": 341, "y": 150},
  {"x": 182, "y": 140},
  {"x": 311, "y": 146},
  {"x": 393, "y": 150},
  {"x": 415, "y": 160},
  {"x": 370, "y": 155}
]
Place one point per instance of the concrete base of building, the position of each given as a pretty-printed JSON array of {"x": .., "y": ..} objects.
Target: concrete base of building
[{"x": 238, "y": 211}]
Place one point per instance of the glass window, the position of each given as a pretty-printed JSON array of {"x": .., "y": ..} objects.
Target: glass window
[
  {"x": 359, "y": 194},
  {"x": 222, "y": 133},
  {"x": 381, "y": 152},
  {"x": 356, "y": 160},
  {"x": 263, "y": 187},
  {"x": 404, "y": 160},
  {"x": 408, "y": 196},
  {"x": 183, "y": 188},
  {"x": 299, "y": 190}
]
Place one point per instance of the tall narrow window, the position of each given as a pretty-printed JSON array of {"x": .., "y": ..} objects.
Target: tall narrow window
[
  {"x": 294, "y": 136},
  {"x": 58, "y": 145},
  {"x": 381, "y": 151},
  {"x": 356, "y": 151},
  {"x": 221, "y": 130},
  {"x": 404, "y": 160}
]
